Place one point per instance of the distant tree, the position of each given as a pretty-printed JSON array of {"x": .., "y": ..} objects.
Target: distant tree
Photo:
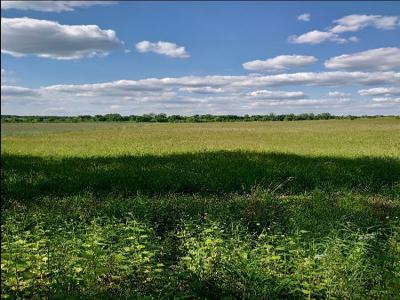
[
  {"x": 113, "y": 117},
  {"x": 162, "y": 117}
]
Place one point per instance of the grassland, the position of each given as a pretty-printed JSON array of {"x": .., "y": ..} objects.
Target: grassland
[{"x": 259, "y": 210}]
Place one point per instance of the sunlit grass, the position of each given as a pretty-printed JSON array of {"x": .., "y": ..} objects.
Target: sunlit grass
[
  {"x": 349, "y": 138},
  {"x": 237, "y": 210}
]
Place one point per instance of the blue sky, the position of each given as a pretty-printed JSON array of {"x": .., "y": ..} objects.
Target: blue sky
[{"x": 111, "y": 73}]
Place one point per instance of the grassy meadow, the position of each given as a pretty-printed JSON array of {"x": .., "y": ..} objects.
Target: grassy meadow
[{"x": 235, "y": 210}]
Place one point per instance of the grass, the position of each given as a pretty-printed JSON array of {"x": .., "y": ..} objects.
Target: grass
[{"x": 202, "y": 211}]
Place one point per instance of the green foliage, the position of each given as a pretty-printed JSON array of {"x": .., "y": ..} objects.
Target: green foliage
[
  {"x": 95, "y": 257},
  {"x": 119, "y": 256},
  {"x": 292, "y": 210}
]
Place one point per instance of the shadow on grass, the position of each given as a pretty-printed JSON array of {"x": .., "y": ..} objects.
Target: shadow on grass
[
  {"x": 26, "y": 177},
  {"x": 229, "y": 226}
]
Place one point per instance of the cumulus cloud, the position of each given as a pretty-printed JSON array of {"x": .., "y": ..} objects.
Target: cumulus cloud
[
  {"x": 50, "y": 6},
  {"x": 316, "y": 37},
  {"x": 49, "y": 39},
  {"x": 320, "y": 79},
  {"x": 380, "y": 91},
  {"x": 350, "y": 23},
  {"x": 356, "y": 22},
  {"x": 162, "y": 48},
  {"x": 275, "y": 95},
  {"x": 229, "y": 82},
  {"x": 391, "y": 100},
  {"x": 338, "y": 97},
  {"x": 202, "y": 90},
  {"x": 382, "y": 96},
  {"x": 209, "y": 84},
  {"x": 304, "y": 17},
  {"x": 337, "y": 94},
  {"x": 191, "y": 94},
  {"x": 280, "y": 63},
  {"x": 10, "y": 91},
  {"x": 381, "y": 59},
  {"x": 286, "y": 103}
]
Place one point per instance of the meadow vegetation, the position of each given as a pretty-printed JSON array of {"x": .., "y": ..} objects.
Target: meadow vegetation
[{"x": 260, "y": 210}]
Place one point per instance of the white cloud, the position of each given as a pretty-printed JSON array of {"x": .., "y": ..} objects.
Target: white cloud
[
  {"x": 354, "y": 39},
  {"x": 350, "y": 23},
  {"x": 280, "y": 63},
  {"x": 225, "y": 85},
  {"x": 320, "y": 79},
  {"x": 381, "y": 59},
  {"x": 380, "y": 91},
  {"x": 163, "y": 48},
  {"x": 51, "y": 6},
  {"x": 316, "y": 37},
  {"x": 9, "y": 91},
  {"x": 115, "y": 107},
  {"x": 304, "y": 17},
  {"x": 230, "y": 83},
  {"x": 201, "y": 90},
  {"x": 389, "y": 108},
  {"x": 285, "y": 103},
  {"x": 49, "y": 39},
  {"x": 192, "y": 94},
  {"x": 337, "y": 94},
  {"x": 356, "y": 22},
  {"x": 391, "y": 100},
  {"x": 56, "y": 110},
  {"x": 275, "y": 95},
  {"x": 382, "y": 97},
  {"x": 339, "y": 97}
]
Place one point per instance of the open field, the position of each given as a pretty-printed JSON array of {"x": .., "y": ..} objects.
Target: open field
[{"x": 259, "y": 210}]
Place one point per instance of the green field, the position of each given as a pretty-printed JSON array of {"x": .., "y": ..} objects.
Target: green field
[{"x": 246, "y": 210}]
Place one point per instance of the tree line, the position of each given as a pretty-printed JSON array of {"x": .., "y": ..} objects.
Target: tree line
[{"x": 164, "y": 118}]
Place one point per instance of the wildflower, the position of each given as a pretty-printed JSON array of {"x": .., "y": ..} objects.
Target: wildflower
[
  {"x": 319, "y": 256},
  {"x": 366, "y": 237}
]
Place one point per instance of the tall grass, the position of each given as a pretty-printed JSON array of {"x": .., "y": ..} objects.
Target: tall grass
[{"x": 202, "y": 211}]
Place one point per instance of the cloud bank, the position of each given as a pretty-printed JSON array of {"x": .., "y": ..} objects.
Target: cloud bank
[
  {"x": 356, "y": 22},
  {"x": 51, "y": 6},
  {"x": 350, "y": 23},
  {"x": 280, "y": 63},
  {"x": 49, "y": 39},
  {"x": 381, "y": 59},
  {"x": 196, "y": 94}
]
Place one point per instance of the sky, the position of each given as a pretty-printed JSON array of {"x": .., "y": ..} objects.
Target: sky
[{"x": 99, "y": 57}]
